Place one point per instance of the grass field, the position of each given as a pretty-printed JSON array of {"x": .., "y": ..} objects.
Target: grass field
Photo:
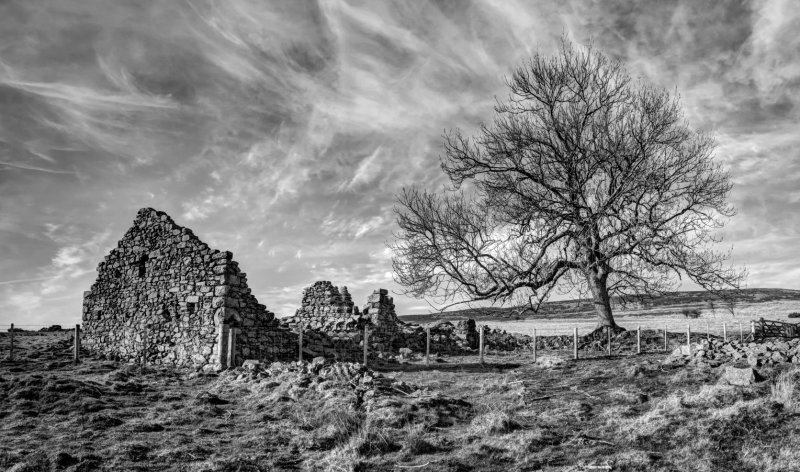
[
  {"x": 674, "y": 320},
  {"x": 626, "y": 413}
]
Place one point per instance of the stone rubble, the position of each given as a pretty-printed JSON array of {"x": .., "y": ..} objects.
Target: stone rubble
[{"x": 755, "y": 354}]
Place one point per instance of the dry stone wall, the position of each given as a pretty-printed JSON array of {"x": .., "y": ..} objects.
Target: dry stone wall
[
  {"x": 164, "y": 296},
  {"x": 331, "y": 323},
  {"x": 385, "y": 333}
]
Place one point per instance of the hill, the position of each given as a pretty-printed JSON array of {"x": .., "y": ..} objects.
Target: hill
[{"x": 669, "y": 303}]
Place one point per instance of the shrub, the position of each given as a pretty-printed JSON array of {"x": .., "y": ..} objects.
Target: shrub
[{"x": 690, "y": 312}]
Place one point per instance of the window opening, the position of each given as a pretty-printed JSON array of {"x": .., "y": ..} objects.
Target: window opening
[{"x": 142, "y": 261}]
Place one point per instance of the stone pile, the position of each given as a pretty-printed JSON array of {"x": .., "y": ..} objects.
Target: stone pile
[
  {"x": 320, "y": 370},
  {"x": 756, "y": 354}
]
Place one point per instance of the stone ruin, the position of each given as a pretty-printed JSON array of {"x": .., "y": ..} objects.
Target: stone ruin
[
  {"x": 333, "y": 326},
  {"x": 164, "y": 296},
  {"x": 324, "y": 308}
]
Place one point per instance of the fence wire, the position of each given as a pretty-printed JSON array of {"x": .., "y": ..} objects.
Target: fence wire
[{"x": 550, "y": 340}]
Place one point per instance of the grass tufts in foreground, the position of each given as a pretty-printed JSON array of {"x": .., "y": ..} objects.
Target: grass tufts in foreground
[{"x": 455, "y": 416}]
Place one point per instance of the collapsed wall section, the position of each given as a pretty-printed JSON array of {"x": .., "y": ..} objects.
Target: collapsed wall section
[{"x": 333, "y": 326}]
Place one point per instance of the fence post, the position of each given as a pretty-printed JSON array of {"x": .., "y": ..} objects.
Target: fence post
[
  {"x": 665, "y": 338},
  {"x": 741, "y": 333},
  {"x": 608, "y": 338},
  {"x": 638, "y": 340},
  {"x": 231, "y": 347},
  {"x": 222, "y": 344},
  {"x": 534, "y": 345},
  {"x": 708, "y": 333},
  {"x": 753, "y": 329},
  {"x": 428, "y": 346},
  {"x": 575, "y": 343},
  {"x": 480, "y": 343},
  {"x": 689, "y": 337},
  {"x": 300, "y": 344},
  {"x": 77, "y": 355},
  {"x": 366, "y": 343},
  {"x": 144, "y": 346},
  {"x": 724, "y": 332},
  {"x": 11, "y": 350},
  {"x": 11, "y": 347}
]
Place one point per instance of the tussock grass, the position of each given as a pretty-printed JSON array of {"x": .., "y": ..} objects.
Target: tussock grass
[
  {"x": 413, "y": 440},
  {"x": 493, "y": 422},
  {"x": 782, "y": 391},
  {"x": 663, "y": 412}
]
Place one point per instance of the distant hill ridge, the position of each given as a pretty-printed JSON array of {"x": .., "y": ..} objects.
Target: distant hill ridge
[{"x": 578, "y": 308}]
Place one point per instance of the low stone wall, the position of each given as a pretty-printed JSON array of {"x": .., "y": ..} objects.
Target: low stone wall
[{"x": 756, "y": 354}]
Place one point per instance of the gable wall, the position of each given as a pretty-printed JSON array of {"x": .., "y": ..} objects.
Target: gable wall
[{"x": 132, "y": 312}]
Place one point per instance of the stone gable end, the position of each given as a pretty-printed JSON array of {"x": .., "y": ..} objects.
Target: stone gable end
[{"x": 164, "y": 296}]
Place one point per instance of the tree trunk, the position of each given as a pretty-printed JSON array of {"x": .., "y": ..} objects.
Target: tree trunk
[{"x": 602, "y": 301}]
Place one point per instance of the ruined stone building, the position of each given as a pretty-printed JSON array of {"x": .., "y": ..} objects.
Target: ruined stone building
[{"x": 164, "y": 296}]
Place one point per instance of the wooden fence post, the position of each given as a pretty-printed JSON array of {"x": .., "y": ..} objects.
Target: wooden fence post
[
  {"x": 608, "y": 338},
  {"x": 724, "y": 332},
  {"x": 665, "y": 338},
  {"x": 534, "y": 345},
  {"x": 689, "y": 337},
  {"x": 741, "y": 333},
  {"x": 144, "y": 346},
  {"x": 708, "y": 333},
  {"x": 428, "y": 346},
  {"x": 231, "y": 347},
  {"x": 366, "y": 344},
  {"x": 11, "y": 351},
  {"x": 77, "y": 355},
  {"x": 753, "y": 329},
  {"x": 638, "y": 340},
  {"x": 480, "y": 347},
  {"x": 575, "y": 343},
  {"x": 300, "y": 344}
]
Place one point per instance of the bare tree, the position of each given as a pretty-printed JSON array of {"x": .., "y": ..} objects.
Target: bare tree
[{"x": 584, "y": 179}]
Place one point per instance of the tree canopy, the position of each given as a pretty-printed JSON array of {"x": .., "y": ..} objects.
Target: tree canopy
[{"x": 584, "y": 179}]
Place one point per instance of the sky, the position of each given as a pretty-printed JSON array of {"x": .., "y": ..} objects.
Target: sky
[{"x": 282, "y": 130}]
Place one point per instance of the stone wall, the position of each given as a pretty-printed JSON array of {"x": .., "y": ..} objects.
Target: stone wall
[
  {"x": 164, "y": 296},
  {"x": 333, "y": 326},
  {"x": 385, "y": 333},
  {"x": 331, "y": 323}
]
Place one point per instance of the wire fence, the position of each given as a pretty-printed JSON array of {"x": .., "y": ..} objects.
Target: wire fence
[
  {"x": 22, "y": 342},
  {"x": 576, "y": 340}
]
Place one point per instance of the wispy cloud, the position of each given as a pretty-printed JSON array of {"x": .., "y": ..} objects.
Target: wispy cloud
[{"x": 278, "y": 129}]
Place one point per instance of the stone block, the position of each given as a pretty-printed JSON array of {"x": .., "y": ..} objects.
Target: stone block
[{"x": 741, "y": 376}]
